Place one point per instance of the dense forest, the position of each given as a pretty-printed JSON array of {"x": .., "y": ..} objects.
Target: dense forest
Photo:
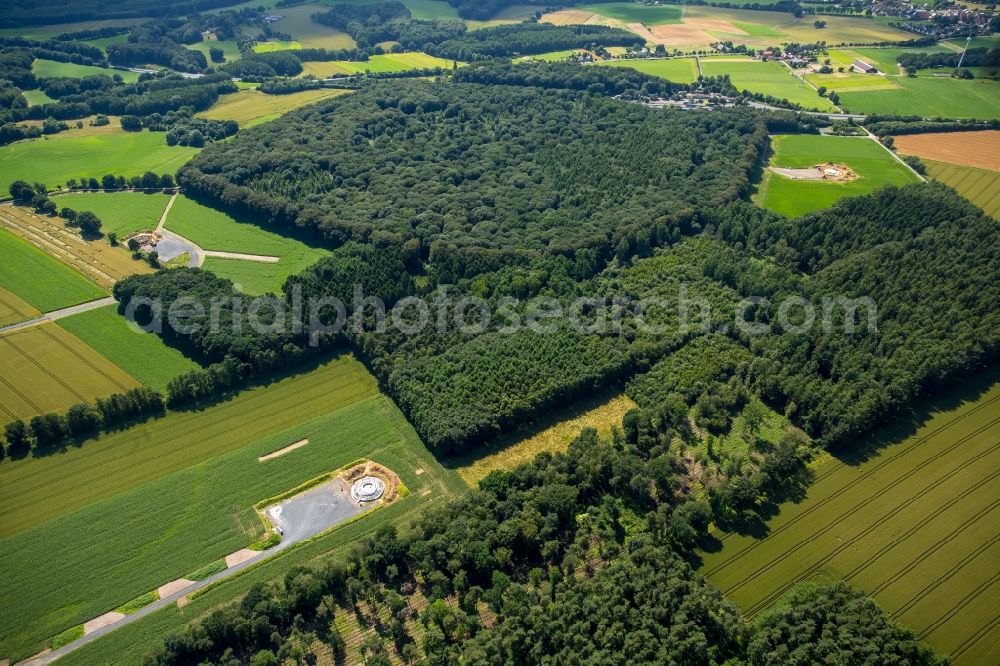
[{"x": 478, "y": 166}]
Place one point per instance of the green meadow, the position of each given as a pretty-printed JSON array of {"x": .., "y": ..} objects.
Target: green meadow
[
  {"x": 630, "y": 12},
  {"x": 680, "y": 70},
  {"x": 54, "y": 160},
  {"x": 120, "y": 212},
  {"x": 912, "y": 524},
  {"x": 40, "y": 280},
  {"x": 768, "y": 78},
  {"x": 213, "y": 229},
  {"x": 36, "y": 97},
  {"x": 106, "y": 553},
  {"x": 871, "y": 162},
  {"x": 46, "y": 69},
  {"x": 140, "y": 354},
  {"x": 929, "y": 96}
]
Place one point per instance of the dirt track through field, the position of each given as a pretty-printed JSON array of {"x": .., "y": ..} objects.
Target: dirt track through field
[{"x": 975, "y": 149}]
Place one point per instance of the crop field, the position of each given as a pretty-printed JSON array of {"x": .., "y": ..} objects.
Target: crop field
[
  {"x": 929, "y": 97},
  {"x": 551, "y": 56},
  {"x": 680, "y": 70},
  {"x": 142, "y": 355},
  {"x": 980, "y": 186},
  {"x": 975, "y": 149},
  {"x": 120, "y": 212},
  {"x": 506, "y": 16},
  {"x": 874, "y": 166},
  {"x": 768, "y": 78},
  {"x": 54, "y": 160},
  {"x": 251, "y": 107},
  {"x": 38, "y": 280},
  {"x": 884, "y": 59},
  {"x": 306, "y": 32},
  {"x": 36, "y": 490},
  {"x": 44, "y": 368},
  {"x": 839, "y": 82},
  {"x": 14, "y": 309},
  {"x": 602, "y": 412},
  {"x": 215, "y": 230},
  {"x": 629, "y": 12},
  {"x": 914, "y": 525},
  {"x": 95, "y": 259},
  {"x": 166, "y": 528},
  {"x": 389, "y": 62},
  {"x": 45, "y": 69}
]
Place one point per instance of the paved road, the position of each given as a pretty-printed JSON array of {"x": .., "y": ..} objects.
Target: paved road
[
  {"x": 59, "y": 314},
  {"x": 300, "y": 517}
]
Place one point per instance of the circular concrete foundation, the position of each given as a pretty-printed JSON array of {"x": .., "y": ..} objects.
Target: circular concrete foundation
[{"x": 367, "y": 489}]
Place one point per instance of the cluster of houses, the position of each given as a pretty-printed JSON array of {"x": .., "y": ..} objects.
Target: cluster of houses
[
  {"x": 698, "y": 99},
  {"x": 940, "y": 22}
]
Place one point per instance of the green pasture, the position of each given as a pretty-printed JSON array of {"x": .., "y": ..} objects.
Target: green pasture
[
  {"x": 680, "y": 70},
  {"x": 120, "y": 212},
  {"x": 872, "y": 163},
  {"x": 768, "y": 78},
  {"x": 229, "y": 48},
  {"x": 47, "y": 69},
  {"x": 213, "y": 229},
  {"x": 36, "y": 97},
  {"x": 630, "y": 12},
  {"x": 388, "y": 62},
  {"x": 298, "y": 23},
  {"x": 929, "y": 97},
  {"x": 140, "y": 354},
  {"x": 83, "y": 564},
  {"x": 54, "y": 160},
  {"x": 913, "y": 524},
  {"x": 40, "y": 280}
]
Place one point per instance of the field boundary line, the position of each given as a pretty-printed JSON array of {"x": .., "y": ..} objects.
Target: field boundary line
[
  {"x": 957, "y": 418},
  {"x": 166, "y": 211}
]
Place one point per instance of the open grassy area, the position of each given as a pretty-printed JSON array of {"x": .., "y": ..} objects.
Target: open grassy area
[
  {"x": 36, "y": 97},
  {"x": 276, "y": 45},
  {"x": 980, "y": 186},
  {"x": 873, "y": 165},
  {"x": 166, "y": 528},
  {"x": 839, "y": 82},
  {"x": 142, "y": 355},
  {"x": 630, "y": 12},
  {"x": 229, "y": 48},
  {"x": 884, "y": 59},
  {"x": 680, "y": 70},
  {"x": 50, "y": 31},
  {"x": 45, "y": 69},
  {"x": 768, "y": 78},
  {"x": 94, "y": 258},
  {"x": 389, "y": 62},
  {"x": 120, "y": 212},
  {"x": 54, "y": 160},
  {"x": 251, "y": 107},
  {"x": 913, "y": 524},
  {"x": 306, "y": 32},
  {"x": 212, "y": 229},
  {"x": 44, "y": 368},
  {"x": 929, "y": 96},
  {"x": 601, "y": 412},
  {"x": 39, "y": 280}
]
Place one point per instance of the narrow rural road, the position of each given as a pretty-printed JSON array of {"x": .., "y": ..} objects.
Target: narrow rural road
[
  {"x": 59, "y": 314},
  {"x": 166, "y": 211}
]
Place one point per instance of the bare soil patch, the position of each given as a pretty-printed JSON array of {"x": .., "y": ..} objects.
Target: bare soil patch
[
  {"x": 174, "y": 586},
  {"x": 838, "y": 173},
  {"x": 240, "y": 556},
  {"x": 975, "y": 149},
  {"x": 369, "y": 468},
  {"x": 577, "y": 17},
  {"x": 674, "y": 34},
  {"x": 280, "y": 452},
  {"x": 717, "y": 25},
  {"x": 102, "y": 621}
]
